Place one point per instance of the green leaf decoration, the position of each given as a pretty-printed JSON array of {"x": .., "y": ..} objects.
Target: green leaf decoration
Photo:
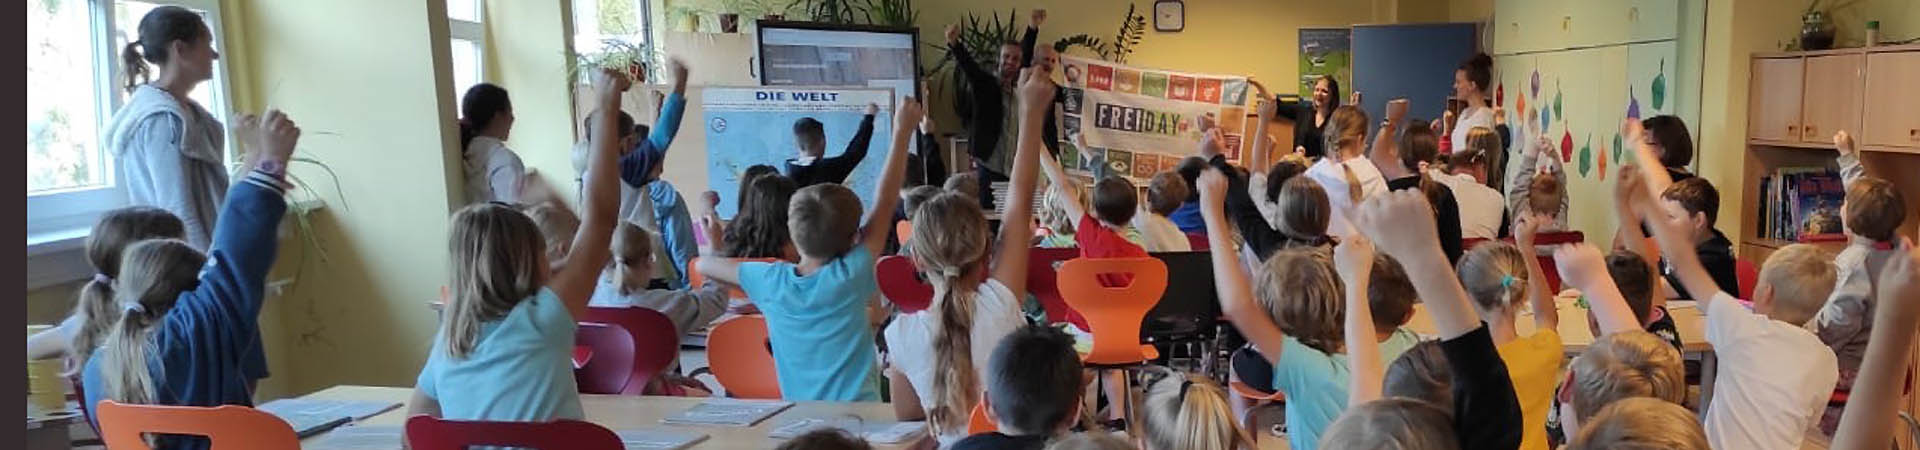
[
  {"x": 1556, "y": 101},
  {"x": 1586, "y": 156},
  {"x": 1616, "y": 149},
  {"x": 1659, "y": 88}
]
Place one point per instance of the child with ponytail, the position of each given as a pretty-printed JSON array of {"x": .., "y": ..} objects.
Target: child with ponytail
[
  {"x": 77, "y": 336},
  {"x": 625, "y": 284},
  {"x": 1500, "y": 278},
  {"x": 494, "y": 172},
  {"x": 939, "y": 356},
  {"x": 1345, "y": 173},
  {"x": 189, "y": 321},
  {"x": 510, "y": 318},
  {"x": 1402, "y": 160},
  {"x": 1186, "y": 411}
]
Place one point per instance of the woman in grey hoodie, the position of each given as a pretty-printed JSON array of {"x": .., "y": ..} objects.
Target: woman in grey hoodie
[{"x": 169, "y": 148}]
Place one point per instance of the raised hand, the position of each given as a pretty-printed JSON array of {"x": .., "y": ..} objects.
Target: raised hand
[
  {"x": 275, "y": 136},
  {"x": 1354, "y": 99},
  {"x": 1399, "y": 222},
  {"x": 1627, "y": 192},
  {"x": 1843, "y": 142},
  {"x": 873, "y": 109},
  {"x": 1039, "y": 17},
  {"x": 953, "y": 34},
  {"x": 909, "y": 111},
  {"x": 1266, "y": 109},
  {"x": 1036, "y": 87},
  {"x": 1581, "y": 265},
  {"x": 1397, "y": 110},
  {"x": 679, "y": 70},
  {"x": 1900, "y": 283},
  {"x": 1525, "y": 228},
  {"x": 1353, "y": 259},
  {"x": 610, "y": 83},
  {"x": 1213, "y": 188}
]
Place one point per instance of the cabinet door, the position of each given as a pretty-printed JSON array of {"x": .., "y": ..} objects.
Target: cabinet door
[
  {"x": 1893, "y": 107},
  {"x": 1831, "y": 100},
  {"x": 1773, "y": 100}
]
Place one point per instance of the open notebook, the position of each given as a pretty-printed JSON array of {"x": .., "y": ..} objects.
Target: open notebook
[
  {"x": 310, "y": 416},
  {"x": 659, "y": 439},
  {"x": 727, "y": 411},
  {"x": 878, "y": 432}
]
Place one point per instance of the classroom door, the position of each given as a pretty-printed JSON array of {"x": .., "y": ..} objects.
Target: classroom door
[{"x": 1415, "y": 62}]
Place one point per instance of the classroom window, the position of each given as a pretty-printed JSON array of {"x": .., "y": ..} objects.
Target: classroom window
[
  {"x": 465, "y": 27},
  {"x": 75, "y": 81},
  {"x": 595, "y": 22}
]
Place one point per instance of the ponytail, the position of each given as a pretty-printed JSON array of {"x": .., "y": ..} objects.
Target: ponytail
[
  {"x": 1184, "y": 411},
  {"x": 137, "y": 72},
  {"x": 1418, "y": 146},
  {"x": 97, "y": 309},
  {"x": 631, "y": 245},
  {"x": 155, "y": 273},
  {"x": 1495, "y": 276}
]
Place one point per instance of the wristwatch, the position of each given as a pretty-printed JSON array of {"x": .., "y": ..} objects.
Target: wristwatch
[{"x": 272, "y": 167}]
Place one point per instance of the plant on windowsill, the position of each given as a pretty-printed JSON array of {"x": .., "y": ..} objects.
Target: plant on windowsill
[{"x": 634, "y": 60}]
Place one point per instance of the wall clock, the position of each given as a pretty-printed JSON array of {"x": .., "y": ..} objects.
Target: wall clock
[{"x": 1169, "y": 15}]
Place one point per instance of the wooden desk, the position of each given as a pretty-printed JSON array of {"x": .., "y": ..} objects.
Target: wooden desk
[
  {"x": 1687, "y": 319},
  {"x": 625, "y": 411}
]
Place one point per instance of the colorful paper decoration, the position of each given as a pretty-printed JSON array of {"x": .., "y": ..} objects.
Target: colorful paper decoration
[
  {"x": 1659, "y": 88},
  {"x": 1586, "y": 156},
  {"x": 1617, "y": 148},
  {"x": 1536, "y": 83},
  {"x": 1566, "y": 146},
  {"x": 1633, "y": 104},
  {"x": 1602, "y": 160}
]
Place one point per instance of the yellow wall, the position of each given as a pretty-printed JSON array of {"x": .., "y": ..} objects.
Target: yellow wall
[
  {"x": 527, "y": 54},
  {"x": 360, "y": 78}
]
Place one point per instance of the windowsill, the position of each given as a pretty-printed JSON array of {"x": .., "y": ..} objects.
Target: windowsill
[{"x": 59, "y": 256}]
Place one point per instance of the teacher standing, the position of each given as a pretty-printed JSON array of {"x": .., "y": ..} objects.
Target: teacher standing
[
  {"x": 169, "y": 148},
  {"x": 1309, "y": 122}
]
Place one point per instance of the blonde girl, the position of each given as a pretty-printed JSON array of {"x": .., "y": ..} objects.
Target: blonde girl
[
  {"x": 508, "y": 317},
  {"x": 625, "y": 284},
  {"x": 95, "y": 309},
  {"x": 188, "y": 320},
  {"x": 1185, "y": 411},
  {"x": 1500, "y": 278},
  {"x": 1346, "y": 173},
  {"x": 939, "y": 356}
]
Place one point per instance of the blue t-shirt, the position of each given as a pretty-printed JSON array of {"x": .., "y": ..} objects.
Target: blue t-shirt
[
  {"x": 1316, "y": 385},
  {"x": 205, "y": 349},
  {"x": 520, "y": 370},
  {"x": 822, "y": 345}
]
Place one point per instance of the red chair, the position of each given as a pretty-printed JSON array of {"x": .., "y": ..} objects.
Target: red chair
[
  {"x": 1748, "y": 275},
  {"x": 631, "y": 347},
  {"x": 1043, "y": 284},
  {"x": 1551, "y": 270},
  {"x": 900, "y": 282},
  {"x": 1198, "y": 241},
  {"x": 1115, "y": 313},
  {"x": 741, "y": 358},
  {"x": 123, "y": 426},
  {"x": 431, "y": 433}
]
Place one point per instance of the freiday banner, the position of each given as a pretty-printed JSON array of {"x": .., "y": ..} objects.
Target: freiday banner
[
  {"x": 1137, "y": 121},
  {"x": 754, "y": 125}
]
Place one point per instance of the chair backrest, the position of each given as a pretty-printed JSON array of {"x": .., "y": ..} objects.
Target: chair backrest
[
  {"x": 978, "y": 422},
  {"x": 122, "y": 426},
  {"x": 1114, "y": 313},
  {"x": 1043, "y": 283},
  {"x": 900, "y": 282},
  {"x": 695, "y": 279},
  {"x": 654, "y": 343},
  {"x": 603, "y": 358},
  {"x": 1198, "y": 241},
  {"x": 431, "y": 433},
  {"x": 741, "y": 359},
  {"x": 1748, "y": 274}
]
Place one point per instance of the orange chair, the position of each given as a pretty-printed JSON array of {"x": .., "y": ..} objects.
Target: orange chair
[
  {"x": 1114, "y": 314},
  {"x": 903, "y": 230},
  {"x": 227, "y": 427},
  {"x": 695, "y": 279},
  {"x": 978, "y": 422},
  {"x": 741, "y": 359}
]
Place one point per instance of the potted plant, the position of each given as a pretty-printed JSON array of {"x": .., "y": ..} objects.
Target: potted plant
[
  {"x": 729, "y": 22},
  {"x": 1816, "y": 31},
  {"x": 628, "y": 58}
]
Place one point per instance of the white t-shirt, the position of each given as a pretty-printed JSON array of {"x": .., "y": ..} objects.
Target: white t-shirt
[
  {"x": 996, "y": 314},
  {"x": 1159, "y": 234},
  {"x": 1334, "y": 180},
  {"x": 1773, "y": 383},
  {"x": 1473, "y": 116},
  {"x": 1481, "y": 206},
  {"x": 494, "y": 172}
]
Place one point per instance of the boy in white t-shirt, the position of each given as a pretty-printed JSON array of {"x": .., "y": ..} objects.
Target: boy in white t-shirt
[{"x": 1775, "y": 377}]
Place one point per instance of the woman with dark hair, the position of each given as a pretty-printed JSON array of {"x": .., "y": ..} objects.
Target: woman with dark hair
[
  {"x": 169, "y": 147},
  {"x": 1309, "y": 121},
  {"x": 1671, "y": 142},
  {"x": 494, "y": 172},
  {"x": 1471, "y": 82}
]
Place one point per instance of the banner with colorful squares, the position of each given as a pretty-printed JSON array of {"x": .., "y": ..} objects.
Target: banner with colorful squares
[{"x": 1136, "y": 122}]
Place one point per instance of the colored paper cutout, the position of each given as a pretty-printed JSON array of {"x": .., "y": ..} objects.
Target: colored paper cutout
[
  {"x": 1586, "y": 157},
  {"x": 1566, "y": 146},
  {"x": 1153, "y": 84},
  {"x": 1659, "y": 88}
]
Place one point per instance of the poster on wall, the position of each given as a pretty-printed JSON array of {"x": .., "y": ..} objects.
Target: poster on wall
[
  {"x": 1323, "y": 52},
  {"x": 746, "y": 126},
  {"x": 1127, "y": 115}
]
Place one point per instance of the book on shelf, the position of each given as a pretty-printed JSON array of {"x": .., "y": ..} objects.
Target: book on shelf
[
  {"x": 727, "y": 411},
  {"x": 1801, "y": 204}
]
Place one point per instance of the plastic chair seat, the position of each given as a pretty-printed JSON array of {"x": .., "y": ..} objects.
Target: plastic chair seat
[
  {"x": 226, "y": 427},
  {"x": 627, "y": 349},
  {"x": 900, "y": 283},
  {"x": 739, "y": 356}
]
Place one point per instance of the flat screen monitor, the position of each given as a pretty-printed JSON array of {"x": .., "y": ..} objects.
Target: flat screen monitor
[{"x": 817, "y": 54}]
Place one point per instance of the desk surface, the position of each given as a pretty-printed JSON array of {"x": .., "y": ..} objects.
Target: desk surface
[
  {"x": 626, "y": 412},
  {"x": 1573, "y": 324}
]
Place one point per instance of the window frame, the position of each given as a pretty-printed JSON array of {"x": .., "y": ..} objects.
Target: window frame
[
  {"x": 58, "y": 221},
  {"x": 474, "y": 31}
]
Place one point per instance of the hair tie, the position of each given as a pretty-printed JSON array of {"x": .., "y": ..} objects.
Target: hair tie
[
  {"x": 1506, "y": 281},
  {"x": 102, "y": 278},
  {"x": 1185, "y": 383},
  {"x": 136, "y": 307}
]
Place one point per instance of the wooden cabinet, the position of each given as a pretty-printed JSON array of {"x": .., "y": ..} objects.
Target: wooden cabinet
[
  {"x": 1893, "y": 111},
  {"x": 1832, "y": 97},
  {"x": 1773, "y": 100}
]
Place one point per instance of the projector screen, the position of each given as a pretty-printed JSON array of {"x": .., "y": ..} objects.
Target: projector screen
[{"x": 815, "y": 54}]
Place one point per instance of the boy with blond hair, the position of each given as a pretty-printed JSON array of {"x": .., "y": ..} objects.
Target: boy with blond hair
[
  {"x": 1775, "y": 377},
  {"x": 819, "y": 306}
]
